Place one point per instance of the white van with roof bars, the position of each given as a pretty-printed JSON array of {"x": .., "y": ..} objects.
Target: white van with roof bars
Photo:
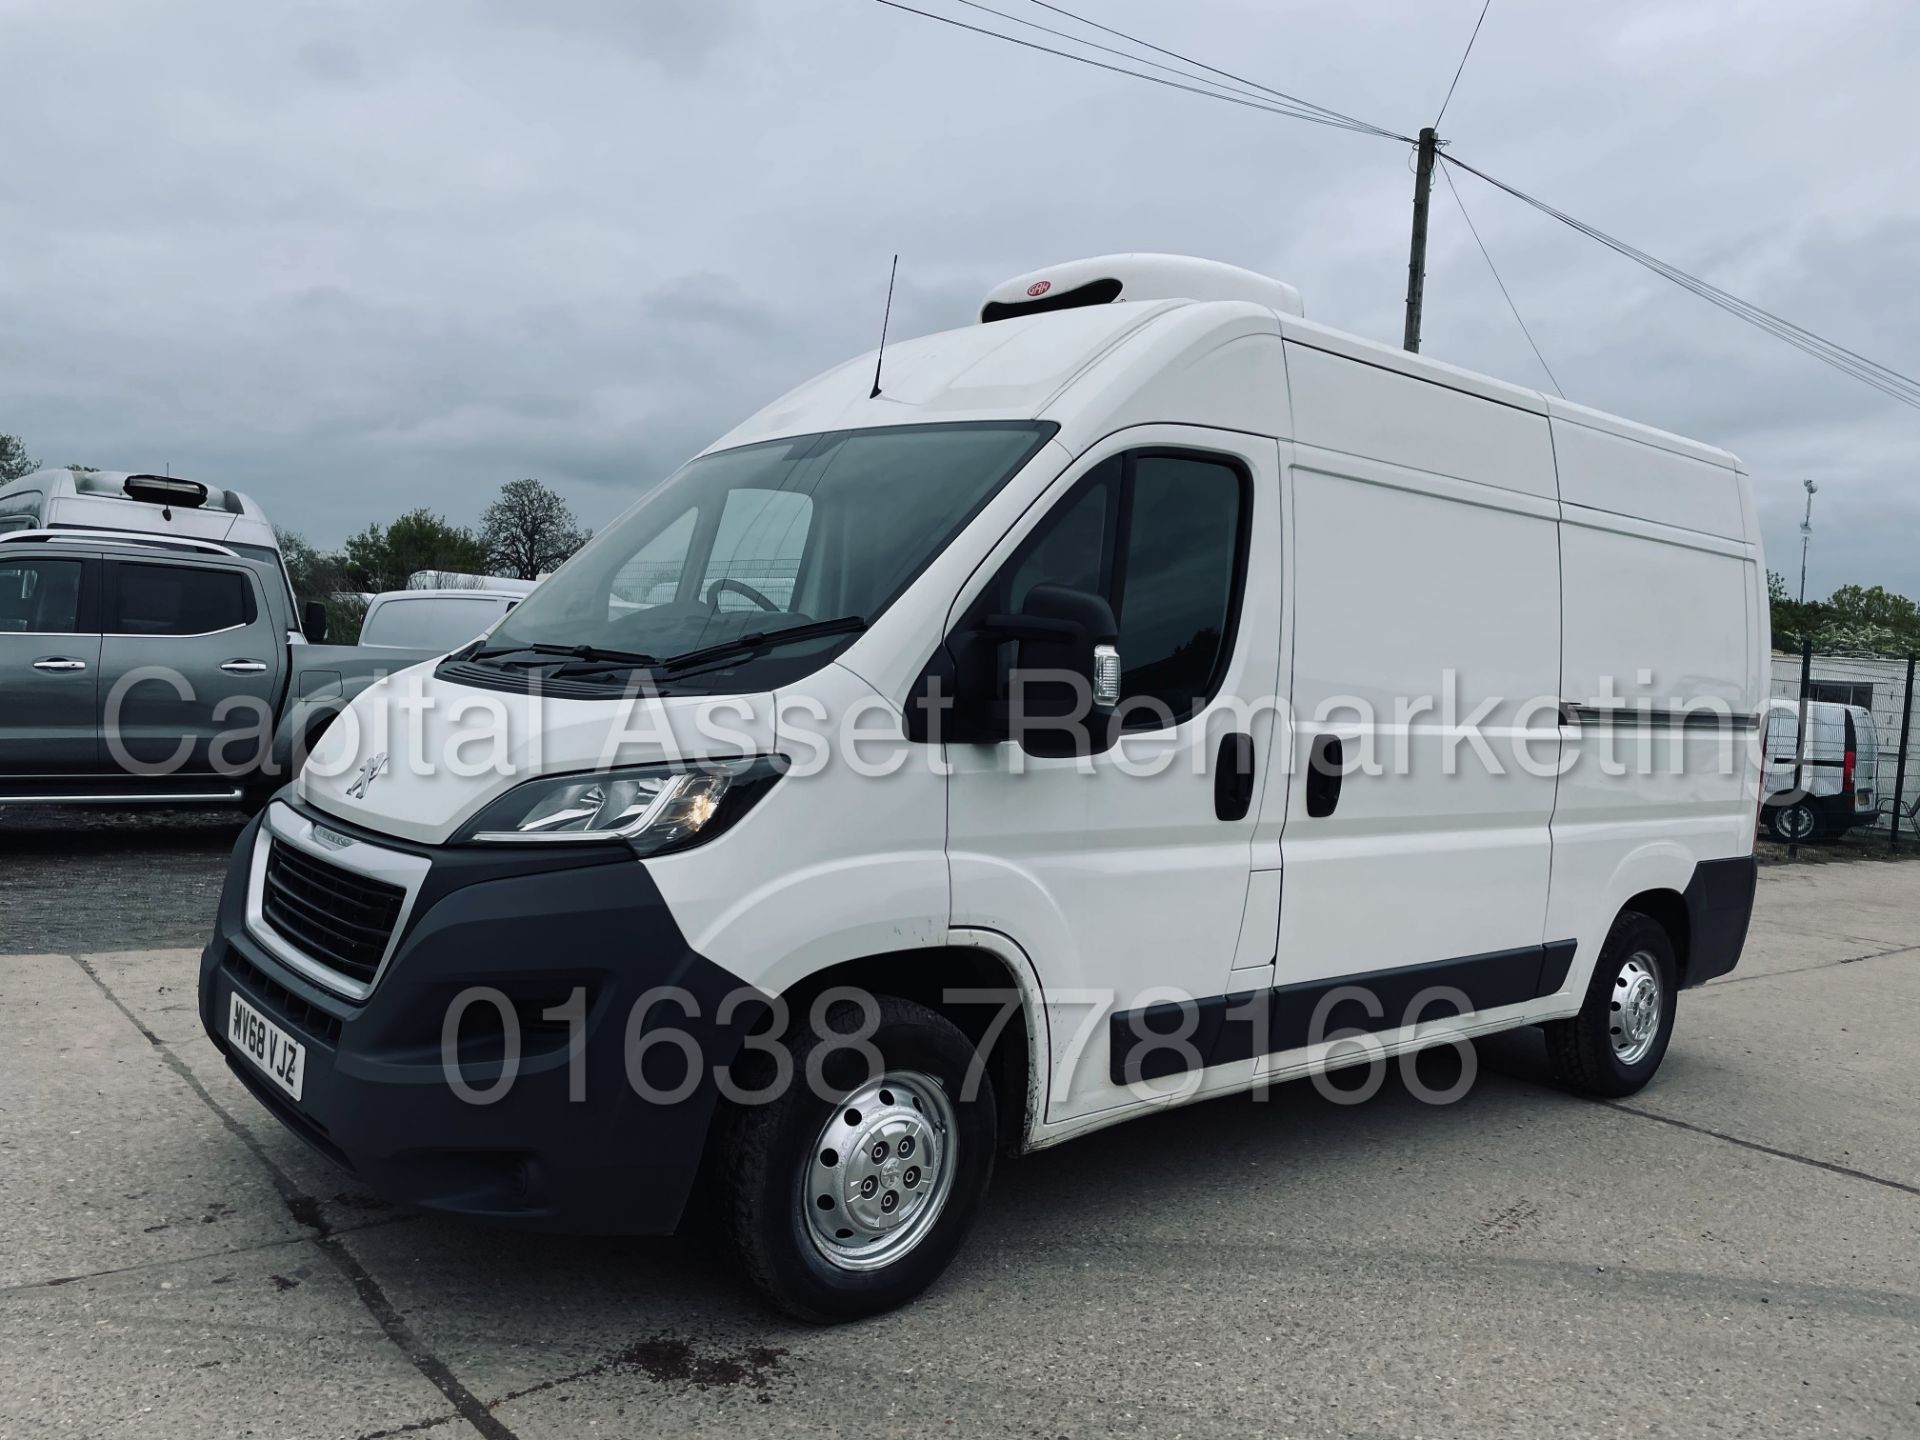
[
  {"x": 1142, "y": 696},
  {"x": 68, "y": 499}
]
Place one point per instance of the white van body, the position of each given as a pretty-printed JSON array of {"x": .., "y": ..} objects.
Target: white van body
[
  {"x": 66, "y": 499},
  {"x": 432, "y": 619},
  {"x": 1386, "y": 530},
  {"x": 464, "y": 580},
  {"x": 1831, "y": 784}
]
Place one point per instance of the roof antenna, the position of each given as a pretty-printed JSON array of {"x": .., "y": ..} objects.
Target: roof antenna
[{"x": 885, "y": 318}]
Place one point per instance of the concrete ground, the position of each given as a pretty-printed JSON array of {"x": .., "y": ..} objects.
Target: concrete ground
[{"x": 1735, "y": 1251}]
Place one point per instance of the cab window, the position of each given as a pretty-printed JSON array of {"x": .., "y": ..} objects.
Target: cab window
[
  {"x": 1161, "y": 534},
  {"x": 177, "y": 600},
  {"x": 40, "y": 596}
]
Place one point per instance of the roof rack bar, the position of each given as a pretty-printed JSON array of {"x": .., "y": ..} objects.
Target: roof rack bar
[{"x": 119, "y": 537}]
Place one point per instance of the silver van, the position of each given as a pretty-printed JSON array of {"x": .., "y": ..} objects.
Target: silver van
[{"x": 166, "y": 505}]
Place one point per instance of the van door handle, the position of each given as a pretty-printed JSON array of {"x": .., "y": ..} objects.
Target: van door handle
[
  {"x": 59, "y": 663},
  {"x": 244, "y": 667},
  {"x": 1325, "y": 765},
  {"x": 1233, "y": 777}
]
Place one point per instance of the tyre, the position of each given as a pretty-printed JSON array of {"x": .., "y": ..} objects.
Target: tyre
[
  {"x": 1793, "y": 824},
  {"x": 851, "y": 1201},
  {"x": 1617, "y": 1041}
]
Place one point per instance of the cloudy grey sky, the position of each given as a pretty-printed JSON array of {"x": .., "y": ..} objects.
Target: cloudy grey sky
[{"x": 354, "y": 257}]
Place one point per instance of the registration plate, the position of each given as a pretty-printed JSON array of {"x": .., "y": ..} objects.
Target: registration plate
[{"x": 276, "y": 1054}]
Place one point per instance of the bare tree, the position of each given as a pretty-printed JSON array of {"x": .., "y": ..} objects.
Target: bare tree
[{"x": 529, "y": 530}]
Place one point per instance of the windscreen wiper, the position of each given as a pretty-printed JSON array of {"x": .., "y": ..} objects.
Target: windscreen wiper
[
  {"x": 761, "y": 639},
  {"x": 593, "y": 654}
]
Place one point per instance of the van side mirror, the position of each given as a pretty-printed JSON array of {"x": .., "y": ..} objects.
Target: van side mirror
[
  {"x": 1062, "y": 687},
  {"x": 313, "y": 622}
]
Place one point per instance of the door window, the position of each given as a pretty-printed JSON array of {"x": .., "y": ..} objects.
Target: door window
[
  {"x": 1073, "y": 546},
  {"x": 1179, "y": 583},
  {"x": 40, "y": 597},
  {"x": 178, "y": 600},
  {"x": 1160, "y": 534}
]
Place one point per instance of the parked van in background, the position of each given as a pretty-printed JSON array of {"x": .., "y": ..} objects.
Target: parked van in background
[
  {"x": 1831, "y": 786},
  {"x": 1177, "y": 611},
  {"x": 465, "y": 580},
  {"x": 63, "y": 499},
  {"x": 438, "y": 620}
]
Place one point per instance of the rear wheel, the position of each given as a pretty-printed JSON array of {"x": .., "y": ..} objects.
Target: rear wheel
[
  {"x": 1793, "y": 824},
  {"x": 1617, "y": 1041},
  {"x": 851, "y": 1201}
]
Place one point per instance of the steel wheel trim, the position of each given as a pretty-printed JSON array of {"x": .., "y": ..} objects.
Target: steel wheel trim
[
  {"x": 1796, "y": 822},
  {"x": 1636, "y": 1005},
  {"x": 880, "y": 1171}
]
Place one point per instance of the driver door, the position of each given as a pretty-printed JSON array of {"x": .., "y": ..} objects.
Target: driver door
[{"x": 1123, "y": 876}]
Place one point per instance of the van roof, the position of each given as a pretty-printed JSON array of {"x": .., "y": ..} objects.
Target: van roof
[
  {"x": 1016, "y": 367},
  {"x": 60, "y": 480},
  {"x": 1009, "y": 370}
]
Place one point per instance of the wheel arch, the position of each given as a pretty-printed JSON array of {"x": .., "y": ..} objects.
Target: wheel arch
[
  {"x": 929, "y": 976},
  {"x": 1668, "y": 909}
]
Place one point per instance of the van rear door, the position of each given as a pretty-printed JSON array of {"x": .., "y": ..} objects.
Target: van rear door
[{"x": 1863, "y": 744}]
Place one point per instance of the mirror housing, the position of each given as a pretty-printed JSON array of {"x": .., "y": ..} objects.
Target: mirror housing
[
  {"x": 1063, "y": 683},
  {"x": 313, "y": 622}
]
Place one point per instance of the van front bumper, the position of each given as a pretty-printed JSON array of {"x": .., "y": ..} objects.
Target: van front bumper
[{"x": 573, "y": 1142}]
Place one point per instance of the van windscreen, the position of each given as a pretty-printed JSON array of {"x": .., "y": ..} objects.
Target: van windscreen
[{"x": 770, "y": 537}]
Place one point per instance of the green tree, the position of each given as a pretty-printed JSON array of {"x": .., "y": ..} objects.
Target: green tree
[
  {"x": 14, "y": 460},
  {"x": 380, "y": 558},
  {"x": 1875, "y": 605},
  {"x": 1855, "y": 620},
  {"x": 529, "y": 530},
  {"x": 323, "y": 575}
]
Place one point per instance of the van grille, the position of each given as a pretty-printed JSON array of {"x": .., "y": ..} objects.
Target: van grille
[{"x": 341, "y": 919}]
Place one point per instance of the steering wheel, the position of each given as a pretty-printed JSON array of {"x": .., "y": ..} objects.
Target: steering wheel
[{"x": 739, "y": 587}]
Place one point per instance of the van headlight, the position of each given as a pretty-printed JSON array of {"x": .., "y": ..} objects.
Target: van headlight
[{"x": 652, "y": 807}]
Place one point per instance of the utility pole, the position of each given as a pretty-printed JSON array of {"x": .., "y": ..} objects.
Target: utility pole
[
  {"x": 1806, "y": 537},
  {"x": 1417, "y": 260}
]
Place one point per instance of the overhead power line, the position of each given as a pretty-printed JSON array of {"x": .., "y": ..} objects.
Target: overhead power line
[
  {"x": 1552, "y": 379},
  {"x": 1460, "y": 69},
  {"x": 1298, "y": 109},
  {"x": 1249, "y": 94},
  {"x": 1208, "y": 89},
  {"x": 1885, "y": 379},
  {"x": 1243, "y": 89},
  {"x": 1224, "y": 74}
]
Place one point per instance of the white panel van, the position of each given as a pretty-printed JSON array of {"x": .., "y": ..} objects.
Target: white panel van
[
  {"x": 1143, "y": 695},
  {"x": 436, "y": 619},
  {"x": 1825, "y": 788}
]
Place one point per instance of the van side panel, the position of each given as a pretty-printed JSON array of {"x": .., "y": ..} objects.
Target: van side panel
[
  {"x": 1426, "y": 606},
  {"x": 1360, "y": 409},
  {"x": 1659, "y": 622},
  {"x": 1604, "y": 471}
]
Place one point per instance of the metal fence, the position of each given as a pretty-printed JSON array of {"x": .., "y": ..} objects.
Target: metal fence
[{"x": 1885, "y": 687}]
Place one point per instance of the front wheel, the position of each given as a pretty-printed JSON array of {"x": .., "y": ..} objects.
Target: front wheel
[
  {"x": 852, "y": 1200},
  {"x": 1617, "y": 1041}
]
